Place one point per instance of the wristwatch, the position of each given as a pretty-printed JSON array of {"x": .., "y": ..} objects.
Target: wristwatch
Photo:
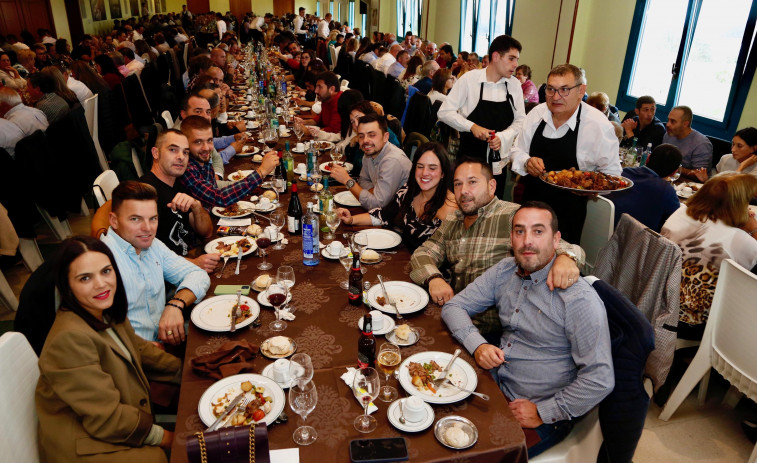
[
  {"x": 350, "y": 183},
  {"x": 569, "y": 253}
]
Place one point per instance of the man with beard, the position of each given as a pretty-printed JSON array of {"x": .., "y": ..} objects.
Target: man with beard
[
  {"x": 199, "y": 179},
  {"x": 474, "y": 239},
  {"x": 553, "y": 361}
]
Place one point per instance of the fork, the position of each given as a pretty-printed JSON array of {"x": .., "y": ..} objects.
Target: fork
[
  {"x": 225, "y": 260},
  {"x": 243, "y": 404},
  {"x": 478, "y": 394}
]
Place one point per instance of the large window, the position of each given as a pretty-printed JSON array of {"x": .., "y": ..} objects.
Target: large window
[
  {"x": 351, "y": 14},
  {"x": 697, "y": 53},
  {"x": 331, "y": 9},
  {"x": 339, "y": 11},
  {"x": 483, "y": 21},
  {"x": 318, "y": 9},
  {"x": 408, "y": 17},
  {"x": 362, "y": 25}
]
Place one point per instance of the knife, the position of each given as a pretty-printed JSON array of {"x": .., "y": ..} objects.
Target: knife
[
  {"x": 239, "y": 259},
  {"x": 234, "y": 312},
  {"x": 228, "y": 410},
  {"x": 389, "y": 300},
  {"x": 444, "y": 374}
]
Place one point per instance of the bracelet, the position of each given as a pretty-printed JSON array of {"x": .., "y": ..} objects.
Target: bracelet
[
  {"x": 432, "y": 277},
  {"x": 174, "y": 305},
  {"x": 180, "y": 300}
]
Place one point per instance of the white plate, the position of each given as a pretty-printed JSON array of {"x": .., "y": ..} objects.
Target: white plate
[
  {"x": 346, "y": 198},
  {"x": 347, "y": 166},
  {"x": 679, "y": 189},
  {"x": 230, "y": 388},
  {"x": 269, "y": 208},
  {"x": 378, "y": 238},
  {"x": 393, "y": 413},
  {"x": 285, "y": 134},
  {"x": 210, "y": 248},
  {"x": 467, "y": 425},
  {"x": 385, "y": 328},
  {"x": 325, "y": 253},
  {"x": 263, "y": 299},
  {"x": 244, "y": 154},
  {"x": 242, "y": 205},
  {"x": 234, "y": 176},
  {"x": 214, "y": 314},
  {"x": 268, "y": 371},
  {"x": 408, "y": 296},
  {"x": 461, "y": 373},
  {"x": 412, "y": 339}
]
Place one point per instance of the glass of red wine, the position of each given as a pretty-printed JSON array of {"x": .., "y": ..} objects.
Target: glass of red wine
[
  {"x": 263, "y": 242},
  {"x": 277, "y": 294},
  {"x": 271, "y": 138}
]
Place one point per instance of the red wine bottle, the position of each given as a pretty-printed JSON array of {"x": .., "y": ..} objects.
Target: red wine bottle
[
  {"x": 294, "y": 213},
  {"x": 355, "y": 292},
  {"x": 366, "y": 346}
]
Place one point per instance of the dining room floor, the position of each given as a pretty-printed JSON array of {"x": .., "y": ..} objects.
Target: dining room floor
[{"x": 695, "y": 434}]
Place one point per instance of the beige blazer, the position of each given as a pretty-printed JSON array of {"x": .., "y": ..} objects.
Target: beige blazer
[{"x": 93, "y": 403}]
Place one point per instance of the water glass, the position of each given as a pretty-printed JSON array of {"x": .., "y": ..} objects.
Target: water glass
[
  {"x": 302, "y": 401},
  {"x": 366, "y": 386}
]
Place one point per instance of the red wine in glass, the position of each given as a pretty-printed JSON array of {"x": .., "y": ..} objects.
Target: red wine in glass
[
  {"x": 276, "y": 299},
  {"x": 271, "y": 143},
  {"x": 263, "y": 242}
]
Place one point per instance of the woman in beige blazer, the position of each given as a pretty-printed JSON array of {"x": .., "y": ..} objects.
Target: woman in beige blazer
[{"x": 93, "y": 396}]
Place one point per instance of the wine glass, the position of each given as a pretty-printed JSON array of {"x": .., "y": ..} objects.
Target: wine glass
[
  {"x": 388, "y": 360},
  {"x": 301, "y": 369},
  {"x": 278, "y": 218},
  {"x": 333, "y": 221},
  {"x": 277, "y": 294},
  {"x": 302, "y": 400},
  {"x": 316, "y": 177},
  {"x": 299, "y": 129},
  {"x": 277, "y": 184},
  {"x": 263, "y": 241},
  {"x": 346, "y": 261},
  {"x": 285, "y": 274},
  {"x": 337, "y": 154},
  {"x": 271, "y": 138},
  {"x": 366, "y": 386}
]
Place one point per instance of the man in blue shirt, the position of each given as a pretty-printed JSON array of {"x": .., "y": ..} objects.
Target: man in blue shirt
[
  {"x": 652, "y": 199},
  {"x": 145, "y": 264},
  {"x": 553, "y": 361}
]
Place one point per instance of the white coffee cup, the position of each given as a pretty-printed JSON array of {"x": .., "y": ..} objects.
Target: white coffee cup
[
  {"x": 272, "y": 232},
  {"x": 279, "y": 110},
  {"x": 281, "y": 370},
  {"x": 249, "y": 98},
  {"x": 250, "y": 124},
  {"x": 377, "y": 319},
  {"x": 264, "y": 202},
  {"x": 250, "y": 113},
  {"x": 687, "y": 190},
  {"x": 282, "y": 130},
  {"x": 300, "y": 147},
  {"x": 413, "y": 409},
  {"x": 335, "y": 248}
]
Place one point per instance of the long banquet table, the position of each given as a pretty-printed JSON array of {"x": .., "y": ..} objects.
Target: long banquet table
[{"x": 326, "y": 329}]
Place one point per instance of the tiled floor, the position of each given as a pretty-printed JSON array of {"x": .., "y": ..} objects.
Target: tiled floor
[{"x": 695, "y": 434}]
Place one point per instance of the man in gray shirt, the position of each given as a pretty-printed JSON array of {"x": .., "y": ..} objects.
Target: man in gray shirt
[
  {"x": 385, "y": 167},
  {"x": 695, "y": 147},
  {"x": 553, "y": 361}
]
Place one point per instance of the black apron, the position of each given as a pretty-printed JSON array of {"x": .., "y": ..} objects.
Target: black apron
[
  {"x": 557, "y": 154},
  {"x": 494, "y": 115}
]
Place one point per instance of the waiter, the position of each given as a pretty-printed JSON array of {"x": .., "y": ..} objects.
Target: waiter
[
  {"x": 486, "y": 106},
  {"x": 562, "y": 133}
]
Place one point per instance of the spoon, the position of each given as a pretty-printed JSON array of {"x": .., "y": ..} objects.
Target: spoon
[{"x": 402, "y": 413}]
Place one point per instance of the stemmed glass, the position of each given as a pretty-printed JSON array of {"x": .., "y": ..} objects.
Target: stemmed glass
[
  {"x": 285, "y": 274},
  {"x": 366, "y": 386},
  {"x": 333, "y": 221},
  {"x": 263, "y": 241},
  {"x": 316, "y": 177},
  {"x": 302, "y": 400},
  {"x": 301, "y": 369},
  {"x": 299, "y": 129},
  {"x": 277, "y": 183},
  {"x": 337, "y": 154},
  {"x": 346, "y": 260},
  {"x": 278, "y": 218},
  {"x": 277, "y": 294},
  {"x": 271, "y": 138},
  {"x": 388, "y": 360}
]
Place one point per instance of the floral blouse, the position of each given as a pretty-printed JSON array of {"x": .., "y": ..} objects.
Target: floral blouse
[{"x": 414, "y": 232}]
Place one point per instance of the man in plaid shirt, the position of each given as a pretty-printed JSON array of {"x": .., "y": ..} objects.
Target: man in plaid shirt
[
  {"x": 475, "y": 238},
  {"x": 199, "y": 178}
]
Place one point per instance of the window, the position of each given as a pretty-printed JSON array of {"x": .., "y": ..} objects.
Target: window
[
  {"x": 331, "y": 8},
  {"x": 339, "y": 12},
  {"x": 362, "y": 25},
  {"x": 697, "y": 53},
  {"x": 480, "y": 26},
  {"x": 351, "y": 14},
  {"x": 408, "y": 17},
  {"x": 318, "y": 9}
]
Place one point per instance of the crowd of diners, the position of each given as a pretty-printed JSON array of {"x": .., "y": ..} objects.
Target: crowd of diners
[{"x": 506, "y": 273}]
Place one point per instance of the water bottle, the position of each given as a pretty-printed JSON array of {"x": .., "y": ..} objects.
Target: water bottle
[
  {"x": 311, "y": 255},
  {"x": 310, "y": 163},
  {"x": 645, "y": 154}
]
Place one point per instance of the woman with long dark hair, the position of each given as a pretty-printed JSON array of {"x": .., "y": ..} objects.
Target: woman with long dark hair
[
  {"x": 108, "y": 70},
  {"x": 421, "y": 204},
  {"x": 93, "y": 395}
]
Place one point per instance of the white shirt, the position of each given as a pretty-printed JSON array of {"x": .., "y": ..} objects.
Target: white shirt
[
  {"x": 82, "y": 91},
  {"x": 462, "y": 99},
  {"x": 596, "y": 147},
  {"x": 29, "y": 120},
  {"x": 323, "y": 29},
  {"x": 221, "y": 24},
  {"x": 181, "y": 38},
  {"x": 10, "y": 134},
  {"x": 135, "y": 67},
  {"x": 298, "y": 22},
  {"x": 435, "y": 96},
  {"x": 382, "y": 64},
  {"x": 136, "y": 36},
  {"x": 728, "y": 164},
  {"x": 258, "y": 23}
]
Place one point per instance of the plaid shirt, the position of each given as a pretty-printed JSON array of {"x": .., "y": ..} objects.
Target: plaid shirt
[{"x": 199, "y": 180}]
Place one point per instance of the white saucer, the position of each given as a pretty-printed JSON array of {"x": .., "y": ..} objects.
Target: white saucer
[
  {"x": 385, "y": 328},
  {"x": 325, "y": 253},
  {"x": 393, "y": 413},
  {"x": 268, "y": 371},
  {"x": 263, "y": 299},
  {"x": 295, "y": 150}
]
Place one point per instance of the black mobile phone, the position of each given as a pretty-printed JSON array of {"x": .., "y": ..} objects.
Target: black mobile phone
[{"x": 378, "y": 450}]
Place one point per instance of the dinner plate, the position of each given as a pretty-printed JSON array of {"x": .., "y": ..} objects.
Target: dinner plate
[
  {"x": 462, "y": 374},
  {"x": 408, "y": 296},
  {"x": 394, "y": 414},
  {"x": 239, "y": 175},
  {"x": 378, "y": 238},
  {"x": 268, "y": 354},
  {"x": 325, "y": 167},
  {"x": 252, "y": 151},
  {"x": 268, "y": 372},
  {"x": 628, "y": 181},
  {"x": 214, "y": 314},
  {"x": 346, "y": 198},
  {"x": 227, "y": 388},
  {"x": 386, "y": 327},
  {"x": 210, "y": 248},
  {"x": 263, "y": 299},
  {"x": 242, "y": 205}
]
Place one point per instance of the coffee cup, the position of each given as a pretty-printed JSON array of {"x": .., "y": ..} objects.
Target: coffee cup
[
  {"x": 281, "y": 370},
  {"x": 279, "y": 110},
  {"x": 377, "y": 318},
  {"x": 250, "y": 113},
  {"x": 272, "y": 232},
  {"x": 250, "y": 124},
  {"x": 249, "y": 98},
  {"x": 335, "y": 248},
  {"x": 300, "y": 147},
  {"x": 264, "y": 202},
  {"x": 413, "y": 409}
]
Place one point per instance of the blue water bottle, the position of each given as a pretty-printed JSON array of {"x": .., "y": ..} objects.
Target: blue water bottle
[{"x": 311, "y": 255}]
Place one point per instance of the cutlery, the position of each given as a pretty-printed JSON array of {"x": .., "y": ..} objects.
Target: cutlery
[
  {"x": 440, "y": 379},
  {"x": 478, "y": 394},
  {"x": 389, "y": 300},
  {"x": 242, "y": 405},
  {"x": 261, "y": 216},
  {"x": 402, "y": 413},
  {"x": 239, "y": 260},
  {"x": 236, "y": 310},
  {"x": 225, "y": 260},
  {"x": 223, "y": 416}
]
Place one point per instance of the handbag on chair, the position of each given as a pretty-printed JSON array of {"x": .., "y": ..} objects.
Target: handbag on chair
[{"x": 235, "y": 444}]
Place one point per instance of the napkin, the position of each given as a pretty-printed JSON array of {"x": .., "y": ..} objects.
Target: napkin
[
  {"x": 285, "y": 455},
  {"x": 229, "y": 359},
  {"x": 234, "y": 222},
  {"x": 349, "y": 378},
  {"x": 286, "y": 315}
]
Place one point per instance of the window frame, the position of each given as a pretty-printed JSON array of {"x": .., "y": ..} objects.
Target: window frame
[
  {"x": 351, "y": 13},
  {"x": 493, "y": 6},
  {"x": 401, "y": 23},
  {"x": 741, "y": 82}
]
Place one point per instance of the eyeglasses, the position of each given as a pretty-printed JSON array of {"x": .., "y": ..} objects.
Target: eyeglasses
[{"x": 564, "y": 91}]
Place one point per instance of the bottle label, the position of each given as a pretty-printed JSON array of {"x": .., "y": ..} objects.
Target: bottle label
[
  {"x": 292, "y": 224},
  {"x": 498, "y": 167},
  {"x": 355, "y": 293},
  {"x": 362, "y": 362},
  {"x": 307, "y": 240}
]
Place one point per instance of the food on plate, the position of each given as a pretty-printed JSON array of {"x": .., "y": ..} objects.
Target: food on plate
[
  {"x": 246, "y": 386},
  {"x": 422, "y": 376},
  {"x": 278, "y": 345},
  {"x": 316, "y": 187},
  {"x": 269, "y": 194},
  {"x": 380, "y": 300},
  {"x": 238, "y": 175},
  {"x": 262, "y": 280},
  {"x": 254, "y": 230},
  {"x": 245, "y": 313},
  {"x": 403, "y": 332},
  {"x": 582, "y": 180},
  {"x": 232, "y": 249},
  {"x": 456, "y": 436},
  {"x": 257, "y": 158},
  {"x": 258, "y": 407},
  {"x": 369, "y": 255},
  {"x": 232, "y": 211}
]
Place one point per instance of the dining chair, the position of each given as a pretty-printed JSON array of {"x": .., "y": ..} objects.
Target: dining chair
[
  {"x": 91, "y": 114},
  {"x": 167, "y": 117},
  {"x": 7, "y": 296},
  {"x": 599, "y": 226},
  {"x": 104, "y": 185},
  {"x": 332, "y": 53},
  {"x": 581, "y": 445},
  {"x": 137, "y": 163},
  {"x": 18, "y": 430},
  {"x": 413, "y": 141}
]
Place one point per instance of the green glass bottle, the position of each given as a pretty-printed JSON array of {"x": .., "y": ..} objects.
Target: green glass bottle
[
  {"x": 326, "y": 202},
  {"x": 289, "y": 161}
]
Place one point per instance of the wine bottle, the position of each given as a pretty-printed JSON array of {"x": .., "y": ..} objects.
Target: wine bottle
[
  {"x": 355, "y": 293},
  {"x": 366, "y": 345},
  {"x": 294, "y": 213},
  {"x": 326, "y": 203}
]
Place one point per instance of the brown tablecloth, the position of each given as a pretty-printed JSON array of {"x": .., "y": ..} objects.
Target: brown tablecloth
[{"x": 326, "y": 329}]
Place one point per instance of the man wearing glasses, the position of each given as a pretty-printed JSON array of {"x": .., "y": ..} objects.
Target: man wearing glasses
[{"x": 559, "y": 134}]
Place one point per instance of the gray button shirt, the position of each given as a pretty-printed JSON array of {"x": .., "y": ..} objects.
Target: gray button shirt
[{"x": 385, "y": 172}]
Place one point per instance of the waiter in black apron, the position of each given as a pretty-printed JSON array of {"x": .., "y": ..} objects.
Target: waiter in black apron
[
  {"x": 535, "y": 153},
  {"x": 486, "y": 106}
]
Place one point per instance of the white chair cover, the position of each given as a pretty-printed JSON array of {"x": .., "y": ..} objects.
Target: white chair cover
[
  {"x": 104, "y": 185},
  {"x": 18, "y": 428},
  {"x": 599, "y": 226}
]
